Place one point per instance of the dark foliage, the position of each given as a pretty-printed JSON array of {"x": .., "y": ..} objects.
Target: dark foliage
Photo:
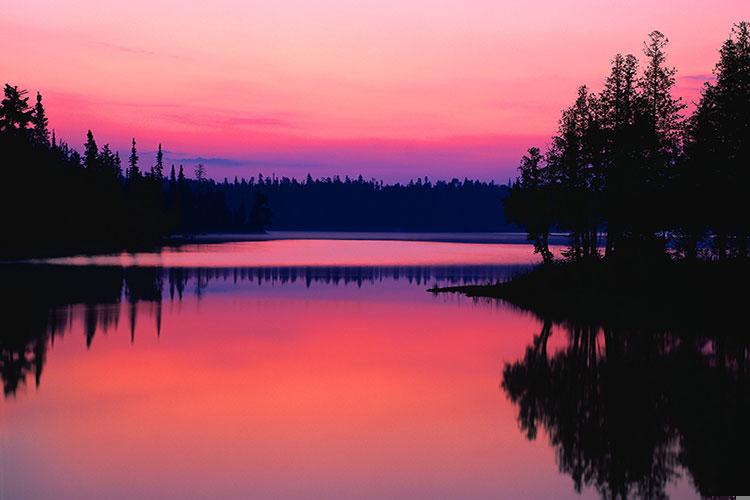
[
  {"x": 55, "y": 201},
  {"x": 625, "y": 165},
  {"x": 347, "y": 204}
]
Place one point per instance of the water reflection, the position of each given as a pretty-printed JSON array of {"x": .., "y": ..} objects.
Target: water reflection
[
  {"x": 352, "y": 382},
  {"x": 41, "y": 302},
  {"x": 626, "y": 409}
]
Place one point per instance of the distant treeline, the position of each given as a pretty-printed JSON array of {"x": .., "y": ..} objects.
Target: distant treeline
[
  {"x": 337, "y": 204},
  {"x": 625, "y": 161},
  {"x": 55, "y": 199}
]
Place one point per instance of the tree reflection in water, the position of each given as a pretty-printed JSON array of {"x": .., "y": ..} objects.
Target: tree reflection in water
[
  {"x": 38, "y": 302},
  {"x": 626, "y": 408}
]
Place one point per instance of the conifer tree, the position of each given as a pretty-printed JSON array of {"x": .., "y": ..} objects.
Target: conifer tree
[
  {"x": 133, "y": 171},
  {"x": 661, "y": 110},
  {"x": 158, "y": 170},
  {"x": 618, "y": 107},
  {"x": 118, "y": 165},
  {"x": 90, "y": 152},
  {"x": 39, "y": 122},
  {"x": 14, "y": 109}
]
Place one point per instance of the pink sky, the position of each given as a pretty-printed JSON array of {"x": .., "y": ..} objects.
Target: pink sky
[{"x": 386, "y": 88}]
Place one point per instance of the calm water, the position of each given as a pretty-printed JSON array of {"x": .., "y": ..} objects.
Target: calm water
[{"x": 316, "y": 369}]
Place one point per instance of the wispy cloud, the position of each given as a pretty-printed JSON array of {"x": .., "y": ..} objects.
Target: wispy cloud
[
  {"x": 137, "y": 51},
  {"x": 700, "y": 77},
  {"x": 224, "y": 162},
  {"x": 215, "y": 118}
]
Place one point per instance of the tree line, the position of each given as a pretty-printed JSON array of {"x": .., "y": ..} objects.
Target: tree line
[
  {"x": 630, "y": 176},
  {"x": 356, "y": 204},
  {"x": 56, "y": 199}
]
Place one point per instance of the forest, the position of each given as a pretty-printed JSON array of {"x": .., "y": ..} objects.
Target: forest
[
  {"x": 631, "y": 176},
  {"x": 57, "y": 200}
]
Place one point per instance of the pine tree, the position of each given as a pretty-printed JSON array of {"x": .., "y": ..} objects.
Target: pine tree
[
  {"x": 39, "y": 122},
  {"x": 530, "y": 202},
  {"x": 158, "y": 170},
  {"x": 133, "y": 171},
  {"x": 661, "y": 111},
  {"x": 90, "y": 152},
  {"x": 108, "y": 161},
  {"x": 14, "y": 109},
  {"x": 719, "y": 144},
  {"x": 618, "y": 108},
  {"x": 572, "y": 162},
  {"x": 200, "y": 173},
  {"x": 118, "y": 165}
]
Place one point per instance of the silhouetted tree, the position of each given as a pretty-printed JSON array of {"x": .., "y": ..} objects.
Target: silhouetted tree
[
  {"x": 572, "y": 160},
  {"x": 626, "y": 161},
  {"x": 90, "y": 153},
  {"x": 618, "y": 109},
  {"x": 200, "y": 173},
  {"x": 158, "y": 170},
  {"x": 14, "y": 109},
  {"x": 39, "y": 122},
  {"x": 718, "y": 147},
  {"x": 531, "y": 200},
  {"x": 133, "y": 172}
]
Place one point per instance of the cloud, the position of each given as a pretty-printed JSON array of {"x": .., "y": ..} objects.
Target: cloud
[
  {"x": 134, "y": 50},
  {"x": 218, "y": 118},
  {"x": 700, "y": 77},
  {"x": 225, "y": 162},
  {"x": 120, "y": 48}
]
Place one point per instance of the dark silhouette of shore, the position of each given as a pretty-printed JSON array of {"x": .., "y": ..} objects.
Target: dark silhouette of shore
[
  {"x": 629, "y": 168},
  {"x": 653, "y": 201}
]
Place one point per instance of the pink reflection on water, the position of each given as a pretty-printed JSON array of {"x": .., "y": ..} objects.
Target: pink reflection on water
[{"x": 317, "y": 253}]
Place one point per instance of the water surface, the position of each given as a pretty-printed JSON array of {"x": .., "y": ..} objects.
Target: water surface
[{"x": 263, "y": 370}]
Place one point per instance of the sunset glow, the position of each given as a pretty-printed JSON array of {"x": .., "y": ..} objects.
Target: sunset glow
[{"x": 388, "y": 89}]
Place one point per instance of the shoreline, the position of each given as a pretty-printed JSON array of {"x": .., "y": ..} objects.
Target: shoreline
[
  {"x": 429, "y": 236},
  {"x": 697, "y": 295},
  {"x": 18, "y": 254}
]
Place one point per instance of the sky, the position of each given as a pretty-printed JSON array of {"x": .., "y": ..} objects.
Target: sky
[{"x": 390, "y": 89}]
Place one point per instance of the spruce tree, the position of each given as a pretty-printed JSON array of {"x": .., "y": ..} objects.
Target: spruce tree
[
  {"x": 618, "y": 108},
  {"x": 14, "y": 109},
  {"x": 39, "y": 122},
  {"x": 661, "y": 111},
  {"x": 158, "y": 170},
  {"x": 90, "y": 152},
  {"x": 133, "y": 171}
]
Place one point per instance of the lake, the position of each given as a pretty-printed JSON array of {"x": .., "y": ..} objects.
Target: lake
[{"x": 315, "y": 369}]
